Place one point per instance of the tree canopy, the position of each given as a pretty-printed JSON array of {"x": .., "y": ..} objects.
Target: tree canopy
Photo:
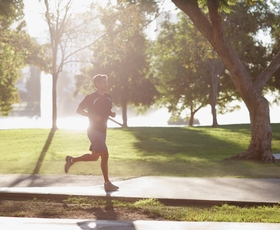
[
  {"x": 17, "y": 48},
  {"x": 183, "y": 84}
]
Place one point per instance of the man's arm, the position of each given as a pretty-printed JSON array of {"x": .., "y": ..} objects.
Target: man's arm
[
  {"x": 82, "y": 112},
  {"x": 86, "y": 114}
]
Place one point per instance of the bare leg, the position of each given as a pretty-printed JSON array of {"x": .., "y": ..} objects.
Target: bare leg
[
  {"x": 108, "y": 186},
  {"x": 104, "y": 165},
  {"x": 86, "y": 157}
]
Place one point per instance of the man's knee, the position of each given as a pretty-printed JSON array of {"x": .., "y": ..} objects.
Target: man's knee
[
  {"x": 104, "y": 155},
  {"x": 95, "y": 156}
]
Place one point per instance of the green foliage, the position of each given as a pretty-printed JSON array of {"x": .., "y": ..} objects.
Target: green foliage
[
  {"x": 272, "y": 23},
  {"x": 11, "y": 60},
  {"x": 180, "y": 67},
  {"x": 16, "y": 50},
  {"x": 242, "y": 27},
  {"x": 244, "y": 22},
  {"x": 185, "y": 61},
  {"x": 225, "y": 213},
  {"x": 147, "y": 203},
  {"x": 83, "y": 201},
  {"x": 223, "y": 5},
  {"x": 226, "y": 5},
  {"x": 148, "y": 7},
  {"x": 11, "y": 11}
]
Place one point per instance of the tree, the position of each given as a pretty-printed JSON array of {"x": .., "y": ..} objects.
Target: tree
[
  {"x": 16, "y": 50},
  {"x": 211, "y": 26},
  {"x": 240, "y": 27},
  {"x": 186, "y": 64},
  {"x": 70, "y": 34}
]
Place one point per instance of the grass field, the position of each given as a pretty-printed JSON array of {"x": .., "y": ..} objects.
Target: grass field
[{"x": 138, "y": 151}]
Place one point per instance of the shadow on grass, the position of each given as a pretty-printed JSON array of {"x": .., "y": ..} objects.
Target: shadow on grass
[
  {"x": 197, "y": 151},
  {"x": 43, "y": 152},
  {"x": 181, "y": 143}
]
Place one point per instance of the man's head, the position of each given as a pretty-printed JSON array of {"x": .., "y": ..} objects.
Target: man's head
[
  {"x": 100, "y": 81},
  {"x": 98, "y": 78}
]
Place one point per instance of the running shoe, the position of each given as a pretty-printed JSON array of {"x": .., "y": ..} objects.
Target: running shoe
[
  {"x": 108, "y": 186},
  {"x": 68, "y": 163}
]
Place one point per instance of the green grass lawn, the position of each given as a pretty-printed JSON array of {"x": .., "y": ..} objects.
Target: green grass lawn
[{"x": 138, "y": 151}]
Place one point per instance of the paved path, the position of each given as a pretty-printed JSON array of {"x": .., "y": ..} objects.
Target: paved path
[
  {"x": 188, "y": 190},
  {"x": 200, "y": 190}
]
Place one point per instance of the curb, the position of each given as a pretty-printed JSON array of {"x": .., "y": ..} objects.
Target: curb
[{"x": 165, "y": 201}]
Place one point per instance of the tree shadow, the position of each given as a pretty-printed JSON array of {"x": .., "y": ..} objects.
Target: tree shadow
[
  {"x": 194, "y": 151},
  {"x": 44, "y": 151},
  {"x": 178, "y": 143}
]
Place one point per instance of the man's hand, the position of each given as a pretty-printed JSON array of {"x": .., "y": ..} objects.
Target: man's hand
[{"x": 112, "y": 114}]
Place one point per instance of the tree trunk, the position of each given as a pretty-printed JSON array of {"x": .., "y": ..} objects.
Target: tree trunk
[
  {"x": 124, "y": 113},
  {"x": 191, "y": 119},
  {"x": 215, "y": 68},
  {"x": 193, "y": 112},
  {"x": 261, "y": 134},
  {"x": 54, "y": 102},
  {"x": 213, "y": 99},
  {"x": 214, "y": 115}
]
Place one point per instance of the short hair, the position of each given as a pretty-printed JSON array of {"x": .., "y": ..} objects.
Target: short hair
[{"x": 98, "y": 78}]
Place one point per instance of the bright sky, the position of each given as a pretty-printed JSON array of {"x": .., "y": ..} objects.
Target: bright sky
[
  {"x": 34, "y": 17},
  {"x": 35, "y": 23},
  {"x": 34, "y": 10}
]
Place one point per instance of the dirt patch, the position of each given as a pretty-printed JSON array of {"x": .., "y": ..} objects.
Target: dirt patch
[{"x": 56, "y": 209}]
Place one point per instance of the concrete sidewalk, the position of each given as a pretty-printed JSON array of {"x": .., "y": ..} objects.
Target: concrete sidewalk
[
  {"x": 187, "y": 190},
  {"x": 198, "y": 191}
]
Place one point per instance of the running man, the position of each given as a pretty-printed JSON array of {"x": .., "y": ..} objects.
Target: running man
[{"x": 97, "y": 106}]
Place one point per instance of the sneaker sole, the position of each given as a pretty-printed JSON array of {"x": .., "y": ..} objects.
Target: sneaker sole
[
  {"x": 67, "y": 158},
  {"x": 112, "y": 189}
]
